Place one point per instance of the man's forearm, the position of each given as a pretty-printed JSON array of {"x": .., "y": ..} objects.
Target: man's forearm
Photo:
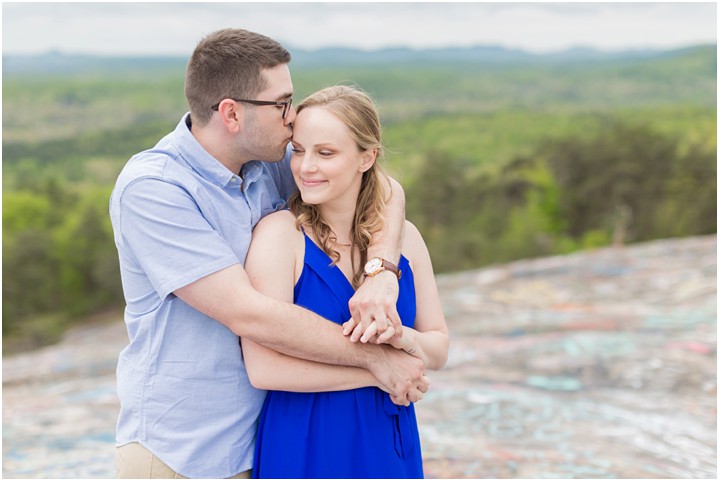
[
  {"x": 386, "y": 244},
  {"x": 298, "y": 332},
  {"x": 228, "y": 297}
]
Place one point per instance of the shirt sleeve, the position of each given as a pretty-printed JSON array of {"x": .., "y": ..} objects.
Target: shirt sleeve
[{"x": 173, "y": 243}]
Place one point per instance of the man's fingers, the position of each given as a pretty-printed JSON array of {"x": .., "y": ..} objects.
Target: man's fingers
[
  {"x": 348, "y": 326},
  {"x": 384, "y": 337},
  {"x": 415, "y": 395},
  {"x": 424, "y": 384},
  {"x": 385, "y": 324},
  {"x": 393, "y": 318},
  {"x": 399, "y": 401},
  {"x": 370, "y": 332},
  {"x": 374, "y": 328},
  {"x": 356, "y": 333}
]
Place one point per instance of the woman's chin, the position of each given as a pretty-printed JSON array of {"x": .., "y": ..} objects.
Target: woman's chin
[{"x": 309, "y": 199}]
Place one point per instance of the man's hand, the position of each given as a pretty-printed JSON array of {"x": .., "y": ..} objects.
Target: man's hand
[
  {"x": 401, "y": 375},
  {"x": 374, "y": 309},
  {"x": 393, "y": 337}
]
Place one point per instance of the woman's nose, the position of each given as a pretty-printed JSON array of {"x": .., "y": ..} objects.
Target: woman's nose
[{"x": 308, "y": 163}]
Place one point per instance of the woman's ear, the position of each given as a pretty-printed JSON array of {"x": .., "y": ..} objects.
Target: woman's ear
[{"x": 369, "y": 157}]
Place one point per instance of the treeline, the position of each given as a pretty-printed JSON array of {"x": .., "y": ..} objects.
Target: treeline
[
  {"x": 469, "y": 140},
  {"x": 623, "y": 183},
  {"x": 59, "y": 259},
  {"x": 104, "y": 96}
]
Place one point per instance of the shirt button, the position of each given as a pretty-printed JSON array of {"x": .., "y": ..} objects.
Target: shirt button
[{"x": 234, "y": 179}]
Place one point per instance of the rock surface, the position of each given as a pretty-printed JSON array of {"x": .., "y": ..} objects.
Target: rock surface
[{"x": 599, "y": 364}]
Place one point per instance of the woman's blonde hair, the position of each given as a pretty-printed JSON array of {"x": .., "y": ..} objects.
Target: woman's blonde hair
[{"x": 357, "y": 111}]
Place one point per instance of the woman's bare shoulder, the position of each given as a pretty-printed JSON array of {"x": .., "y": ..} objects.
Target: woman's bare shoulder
[
  {"x": 276, "y": 229},
  {"x": 280, "y": 221}
]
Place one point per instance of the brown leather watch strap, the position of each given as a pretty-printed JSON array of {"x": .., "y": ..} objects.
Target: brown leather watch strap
[{"x": 376, "y": 265}]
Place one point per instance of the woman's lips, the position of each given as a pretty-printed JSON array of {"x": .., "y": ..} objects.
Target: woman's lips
[{"x": 312, "y": 182}]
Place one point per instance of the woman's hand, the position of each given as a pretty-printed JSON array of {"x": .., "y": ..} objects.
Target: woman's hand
[
  {"x": 392, "y": 335},
  {"x": 375, "y": 303}
]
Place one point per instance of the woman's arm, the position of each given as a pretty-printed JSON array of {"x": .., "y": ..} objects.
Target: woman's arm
[
  {"x": 268, "y": 369},
  {"x": 374, "y": 305},
  {"x": 274, "y": 261},
  {"x": 429, "y": 340}
]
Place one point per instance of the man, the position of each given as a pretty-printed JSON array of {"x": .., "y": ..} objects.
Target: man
[{"x": 183, "y": 214}]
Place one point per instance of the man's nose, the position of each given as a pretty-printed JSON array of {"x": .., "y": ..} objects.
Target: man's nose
[{"x": 291, "y": 116}]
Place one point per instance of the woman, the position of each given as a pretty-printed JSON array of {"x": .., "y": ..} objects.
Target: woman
[{"x": 318, "y": 420}]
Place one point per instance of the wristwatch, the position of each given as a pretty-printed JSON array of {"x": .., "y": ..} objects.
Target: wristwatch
[{"x": 376, "y": 265}]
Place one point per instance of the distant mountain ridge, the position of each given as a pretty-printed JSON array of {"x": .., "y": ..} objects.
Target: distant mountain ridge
[
  {"x": 59, "y": 63},
  {"x": 478, "y": 53}
]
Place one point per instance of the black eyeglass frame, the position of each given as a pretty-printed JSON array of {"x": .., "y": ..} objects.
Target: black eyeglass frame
[{"x": 286, "y": 104}]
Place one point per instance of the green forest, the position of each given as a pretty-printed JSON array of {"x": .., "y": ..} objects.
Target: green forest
[{"x": 500, "y": 160}]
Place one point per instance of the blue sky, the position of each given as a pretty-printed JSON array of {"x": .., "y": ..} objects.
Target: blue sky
[{"x": 173, "y": 28}]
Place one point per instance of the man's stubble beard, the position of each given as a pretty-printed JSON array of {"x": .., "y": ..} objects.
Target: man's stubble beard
[{"x": 260, "y": 145}]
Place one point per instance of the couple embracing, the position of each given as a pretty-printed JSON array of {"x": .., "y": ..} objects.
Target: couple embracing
[{"x": 281, "y": 312}]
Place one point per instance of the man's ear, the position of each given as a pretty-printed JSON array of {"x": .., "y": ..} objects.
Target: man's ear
[
  {"x": 369, "y": 157},
  {"x": 232, "y": 115}
]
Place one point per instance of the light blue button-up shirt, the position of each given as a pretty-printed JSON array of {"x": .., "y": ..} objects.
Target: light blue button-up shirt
[{"x": 179, "y": 215}]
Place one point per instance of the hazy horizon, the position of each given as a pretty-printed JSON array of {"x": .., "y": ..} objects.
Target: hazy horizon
[
  {"x": 378, "y": 49},
  {"x": 115, "y": 29}
]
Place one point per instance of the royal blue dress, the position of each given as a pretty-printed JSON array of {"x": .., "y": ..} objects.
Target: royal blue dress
[{"x": 357, "y": 433}]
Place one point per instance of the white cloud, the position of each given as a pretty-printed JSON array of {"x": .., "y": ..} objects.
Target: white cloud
[{"x": 175, "y": 28}]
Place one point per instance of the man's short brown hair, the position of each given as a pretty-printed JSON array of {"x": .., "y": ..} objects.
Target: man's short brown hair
[{"x": 228, "y": 64}]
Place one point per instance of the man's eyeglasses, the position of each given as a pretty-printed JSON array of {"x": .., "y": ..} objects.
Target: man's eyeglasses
[{"x": 286, "y": 104}]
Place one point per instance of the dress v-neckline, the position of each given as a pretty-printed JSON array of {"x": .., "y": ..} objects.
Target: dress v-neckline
[{"x": 334, "y": 269}]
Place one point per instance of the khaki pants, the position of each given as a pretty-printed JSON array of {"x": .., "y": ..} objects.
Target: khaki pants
[{"x": 134, "y": 461}]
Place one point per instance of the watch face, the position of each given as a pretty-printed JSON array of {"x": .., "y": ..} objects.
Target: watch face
[{"x": 372, "y": 265}]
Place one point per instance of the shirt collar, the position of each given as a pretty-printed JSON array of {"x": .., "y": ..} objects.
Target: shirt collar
[
  {"x": 205, "y": 164},
  {"x": 251, "y": 171}
]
